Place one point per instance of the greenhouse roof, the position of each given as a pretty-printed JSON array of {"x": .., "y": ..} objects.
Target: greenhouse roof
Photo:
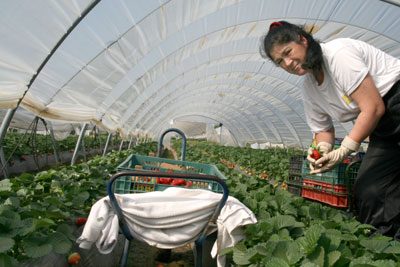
[{"x": 134, "y": 66}]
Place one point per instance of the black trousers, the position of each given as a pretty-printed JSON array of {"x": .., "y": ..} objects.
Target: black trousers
[{"x": 377, "y": 187}]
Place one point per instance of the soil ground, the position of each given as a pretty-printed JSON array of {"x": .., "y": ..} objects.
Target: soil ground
[{"x": 143, "y": 255}]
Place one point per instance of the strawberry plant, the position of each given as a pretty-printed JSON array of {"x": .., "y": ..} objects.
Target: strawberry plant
[
  {"x": 36, "y": 209},
  {"x": 292, "y": 231}
]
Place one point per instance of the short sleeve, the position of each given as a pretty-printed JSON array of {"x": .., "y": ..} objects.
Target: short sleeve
[{"x": 349, "y": 68}]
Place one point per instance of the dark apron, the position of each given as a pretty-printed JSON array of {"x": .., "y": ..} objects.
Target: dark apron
[{"x": 377, "y": 187}]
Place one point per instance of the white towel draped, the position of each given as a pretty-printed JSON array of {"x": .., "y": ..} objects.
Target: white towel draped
[{"x": 166, "y": 219}]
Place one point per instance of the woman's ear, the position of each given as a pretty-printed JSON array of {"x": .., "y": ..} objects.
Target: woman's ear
[{"x": 303, "y": 40}]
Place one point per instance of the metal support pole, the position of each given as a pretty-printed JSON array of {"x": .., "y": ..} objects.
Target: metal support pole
[
  {"x": 220, "y": 134},
  {"x": 78, "y": 144},
  {"x": 3, "y": 163},
  {"x": 120, "y": 145},
  {"x": 53, "y": 140},
  {"x": 83, "y": 147},
  {"x": 107, "y": 143},
  {"x": 6, "y": 122},
  {"x": 99, "y": 134},
  {"x": 130, "y": 142}
]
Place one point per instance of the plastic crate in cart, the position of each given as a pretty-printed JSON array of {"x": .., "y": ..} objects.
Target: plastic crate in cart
[
  {"x": 335, "y": 176},
  {"x": 140, "y": 184},
  {"x": 333, "y": 194}
]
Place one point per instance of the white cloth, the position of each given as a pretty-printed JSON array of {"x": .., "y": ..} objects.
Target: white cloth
[
  {"x": 166, "y": 219},
  {"x": 346, "y": 64}
]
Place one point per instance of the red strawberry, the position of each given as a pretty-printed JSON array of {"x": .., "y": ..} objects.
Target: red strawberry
[
  {"x": 74, "y": 258},
  {"x": 165, "y": 180},
  {"x": 265, "y": 176},
  {"x": 178, "y": 182},
  {"x": 81, "y": 221},
  {"x": 315, "y": 154}
]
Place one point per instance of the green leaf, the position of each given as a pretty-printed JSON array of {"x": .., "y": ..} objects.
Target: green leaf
[
  {"x": 8, "y": 261},
  {"x": 66, "y": 230},
  {"x": 45, "y": 222},
  {"x": 226, "y": 251},
  {"x": 5, "y": 185},
  {"x": 53, "y": 201},
  {"x": 310, "y": 240},
  {"x": 12, "y": 201},
  {"x": 36, "y": 247},
  {"x": 330, "y": 240},
  {"x": 349, "y": 237},
  {"x": 309, "y": 264},
  {"x": 10, "y": 223},
  {"x": 243, "y": 257},
  {"x": 318, "y": 256},
  {"x": 376, "y": 246},
  {"x": 333, "y": 257},
  {"x": 61, "y": 244},
  {"x": 80, "y": 198},
  {"x": 363, "y": 262},
  {"x": 265, "y": 249},
  {"x": 6, "y": 244},
  {"x": 28, "y": 227},
  {"x": 282, "y": 221},
  {"x": 317, "y": 212},
  {"x": 350, "y": 227},
  {"x": 277, "y": 262},
  {"x": 293, "y": 253},
  {"x": 393, "y": 248},
  {"x": 259, "y": 196},
  {"x": 23, "y": 192}
]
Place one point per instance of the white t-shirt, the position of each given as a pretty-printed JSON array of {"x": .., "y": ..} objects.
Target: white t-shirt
[{"x": 346, "y": 64}]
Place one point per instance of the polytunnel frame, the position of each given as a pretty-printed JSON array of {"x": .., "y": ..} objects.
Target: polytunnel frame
[
  {"x": 235, "y": 7},
  {"x": 256, "y": 123},
  {"x": 207, "y": 120},
  {"x": 195, "y": 97},
  {"x": 11, "y": 112},
  {"x": 182, "y": 32},
  {"x": 174, "y": 91},
  {"x": 223, "y": 119}
]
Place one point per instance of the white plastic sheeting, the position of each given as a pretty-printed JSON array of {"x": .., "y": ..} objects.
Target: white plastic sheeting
[{"x": 134, "y": 66}]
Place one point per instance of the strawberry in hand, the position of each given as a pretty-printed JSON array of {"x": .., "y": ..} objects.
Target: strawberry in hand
[{"x": 315, "y": 154}]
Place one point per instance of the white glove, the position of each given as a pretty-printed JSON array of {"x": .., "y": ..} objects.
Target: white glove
[
  {"x": 335, "y": 157},
  {"x": 323, "y": 147}
]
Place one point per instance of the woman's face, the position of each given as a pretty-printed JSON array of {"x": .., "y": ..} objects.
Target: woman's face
[{"x": 291, "y": 56}]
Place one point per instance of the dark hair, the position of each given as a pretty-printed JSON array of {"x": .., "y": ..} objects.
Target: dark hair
[{"x": 283, "y": 32}]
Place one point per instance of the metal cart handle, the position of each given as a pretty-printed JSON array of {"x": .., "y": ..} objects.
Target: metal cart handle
[
  {"x": 114, "y": 203},
  {"x": 159, "y": 149}
]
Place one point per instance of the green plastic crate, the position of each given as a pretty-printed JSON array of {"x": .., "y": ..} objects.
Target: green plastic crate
[
  {"x": 140, "y": 184},
  {"x": 335, "y": 176}
]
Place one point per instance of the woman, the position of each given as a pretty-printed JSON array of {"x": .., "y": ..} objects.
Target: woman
[{"x": 349, "y": 80}]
